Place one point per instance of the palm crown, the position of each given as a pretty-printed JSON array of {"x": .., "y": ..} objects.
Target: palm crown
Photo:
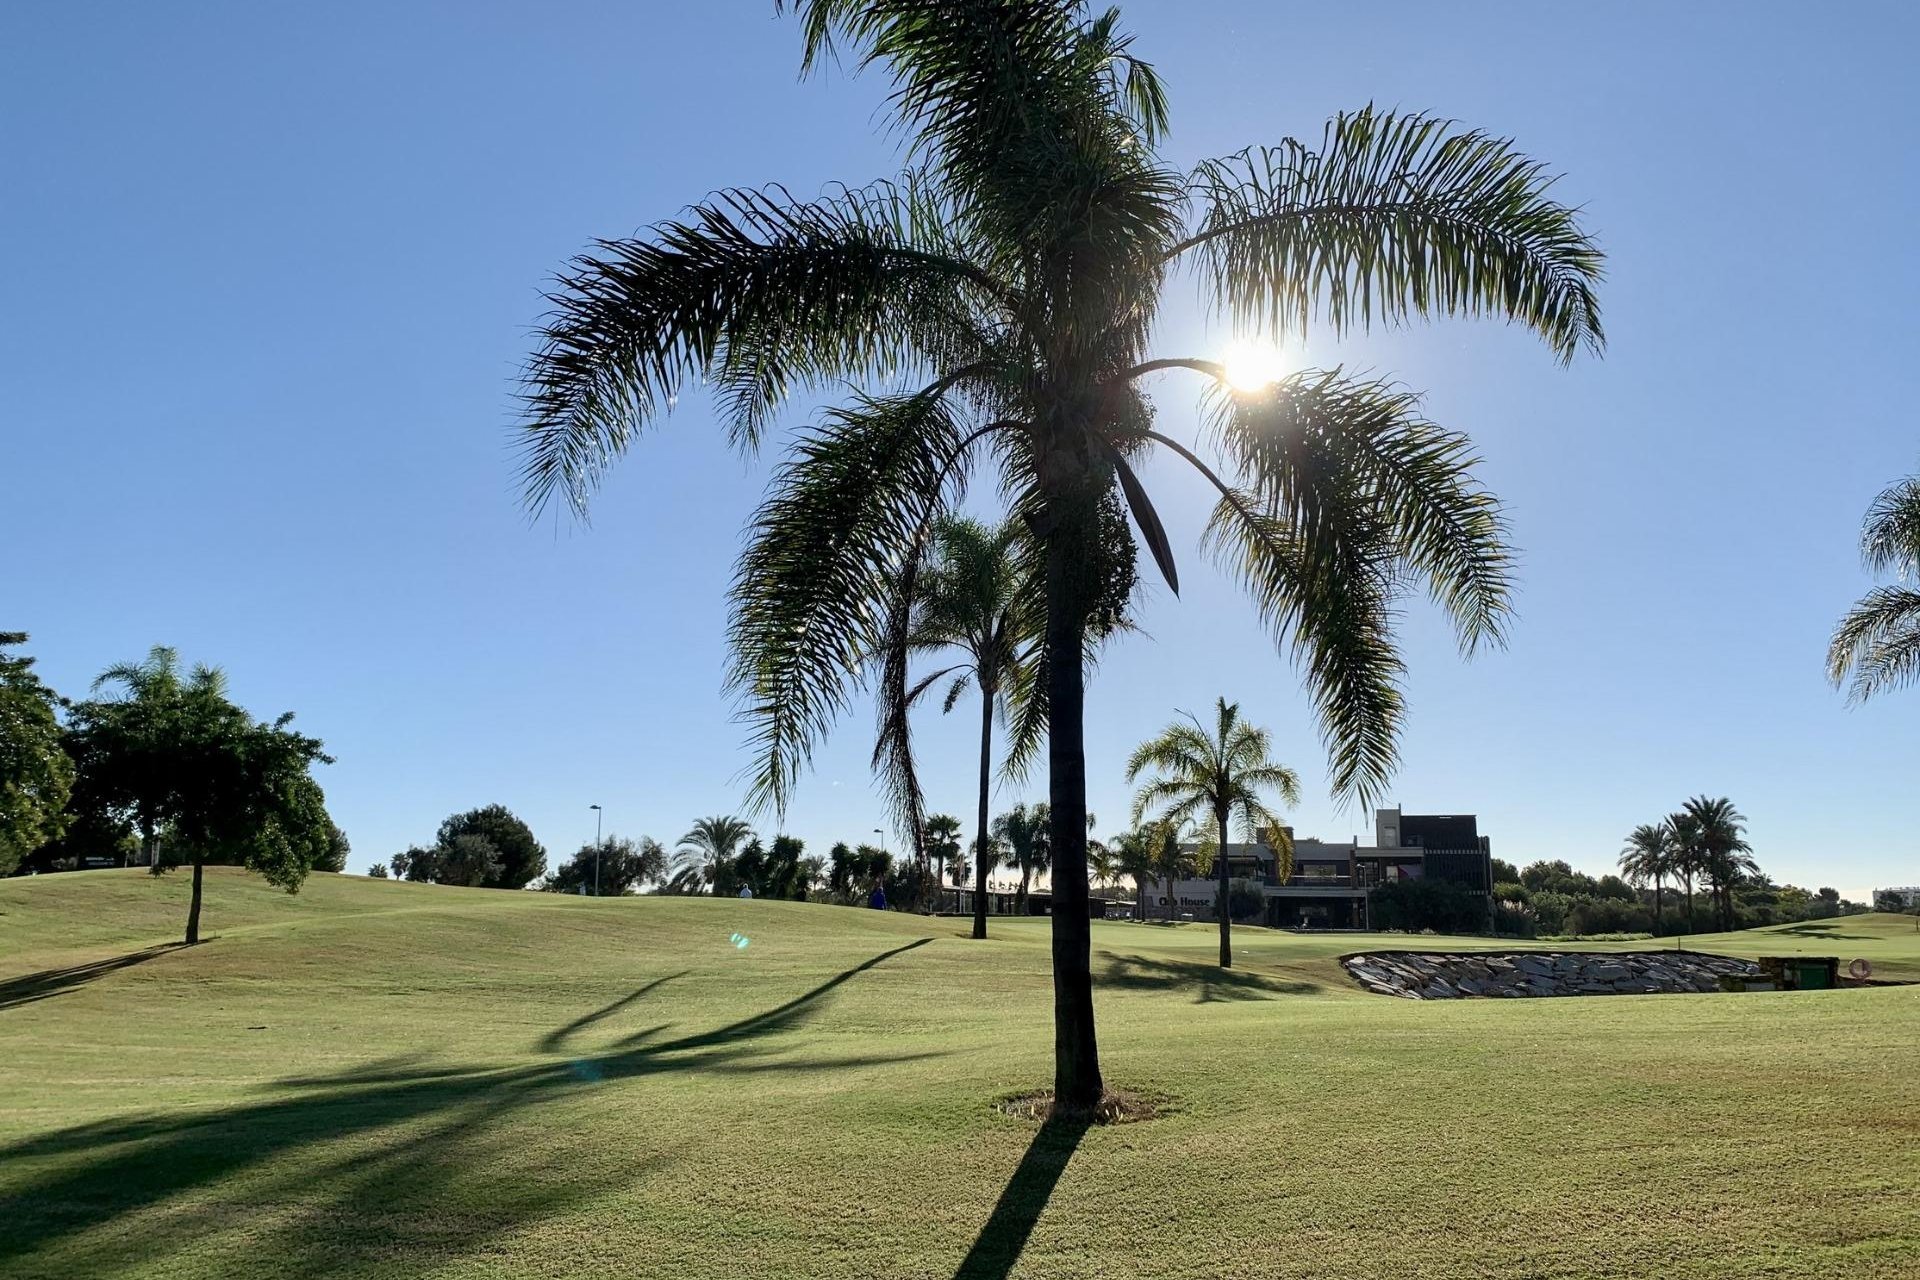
[
  {"x": 995, "y": 303},
  {"x": 1214, "y": 773},
  {"x": 1878, "y": 642}
]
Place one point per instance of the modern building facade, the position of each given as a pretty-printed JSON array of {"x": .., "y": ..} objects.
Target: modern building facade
[{"x": 1332, "y": 880}]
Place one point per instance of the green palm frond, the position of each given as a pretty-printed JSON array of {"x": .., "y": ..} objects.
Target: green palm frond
[
  {"x": 1394, "y": 215},
  {"x": 812, "y": 591},
  {"x": 1318, "y": 448},
  {"x": 1333, "y": 607},
  {"x": 753, "y": 290},
  {"x": 1890, "y": 542},
  {"x": 1877, "y": 643}
]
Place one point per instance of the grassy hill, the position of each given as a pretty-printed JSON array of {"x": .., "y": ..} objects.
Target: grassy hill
[{"x": 378, "y": 1079}]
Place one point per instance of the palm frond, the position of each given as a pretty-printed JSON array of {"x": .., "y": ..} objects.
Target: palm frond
[
  {"x": 1394, "y": 215},
  {"x": 1877, "y": 643},
  {"x": 1318, "y": 446},
  {"x": 757, "y": 291},
  {"x": 1334, "y": 609},
  {"x": 813, "y": 590},
  {"x": 1890, "y": 542}
]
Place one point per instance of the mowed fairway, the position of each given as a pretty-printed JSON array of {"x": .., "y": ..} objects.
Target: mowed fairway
[{"x": 403, "y": 1080}]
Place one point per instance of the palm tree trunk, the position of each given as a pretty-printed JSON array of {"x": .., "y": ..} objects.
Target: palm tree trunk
[
  {"x": 193, "y": 906},
  {"x": 1077, "y": 1085},
  {"x": 1659, "y": 896},
  {"x": 1020, "y": 896},
  {"x": 986, "y": 781},
  {"x": 1221, "y": 898}
]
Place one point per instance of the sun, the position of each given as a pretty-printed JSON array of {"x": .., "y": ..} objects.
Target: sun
[{"x": 1253, "y": 366}]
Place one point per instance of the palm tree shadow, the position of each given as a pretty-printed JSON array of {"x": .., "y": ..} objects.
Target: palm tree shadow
[
  {"x": 1208, "y": 982},
  {"x": 350, "y": 1148},
  {"x": 48, "y": 983},
  {"x": 1004, "y": 1237},
  {"x": 556, "y": 1039}
]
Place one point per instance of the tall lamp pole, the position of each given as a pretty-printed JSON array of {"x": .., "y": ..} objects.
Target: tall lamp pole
[{"x": 597, "y": 815}]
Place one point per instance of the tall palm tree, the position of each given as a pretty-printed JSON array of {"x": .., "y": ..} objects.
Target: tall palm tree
[
  {"x": 1716, "y": 831},
  {"x": 974, "y": 596},
  {"x": 1133, "y": 854},
  {"x": 1878, "y": 642},
  {"x": 1026, "y": 834},
  {"x": 1648, "y": 859},
  {"x": 996, "y": 302},
  {"x": 707, "y": 851},
  {"x": 1173, "y": 861},
  {"x": 155, "y": 693},
  {"x": 1214, "y": 773}
]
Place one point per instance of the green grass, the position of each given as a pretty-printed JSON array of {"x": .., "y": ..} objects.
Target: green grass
[{"x": 375, "y": 1079}]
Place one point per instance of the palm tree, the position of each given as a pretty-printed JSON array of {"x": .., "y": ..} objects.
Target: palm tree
[
  {"x": 973, "y": 596},
  {"x": 1173, "y": 861},
  {"x": 1648, "y": 859},
  {"x": 1878, "y": 642},
  {"x": 708, "y": 851},
  {"x": 996, "y": 301},
  {"x": 1214, "y": 773},
  {"x": 1133, "y": 855},
  {"x": 1716, "y": 831},
  {"x": 942, "y": 842},
  {"x": 154, "y": 694},
  {"x": 1026, "y": 834}
]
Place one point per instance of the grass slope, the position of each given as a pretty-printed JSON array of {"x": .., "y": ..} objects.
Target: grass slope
[{"x": 377, "y": 1079}]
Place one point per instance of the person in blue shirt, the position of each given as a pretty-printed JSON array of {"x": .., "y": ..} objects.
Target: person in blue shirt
[{"x": 879, "y": 899}]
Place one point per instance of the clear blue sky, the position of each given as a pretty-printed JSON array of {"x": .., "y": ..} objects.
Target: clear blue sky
[{"x": 270, "y": 271}]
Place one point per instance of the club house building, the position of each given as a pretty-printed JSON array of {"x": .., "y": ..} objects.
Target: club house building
[{"x": 1331, "y": 880}]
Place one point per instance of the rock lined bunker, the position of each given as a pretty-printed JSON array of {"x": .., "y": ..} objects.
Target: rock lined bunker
[{"x": 1440, "y": 975}]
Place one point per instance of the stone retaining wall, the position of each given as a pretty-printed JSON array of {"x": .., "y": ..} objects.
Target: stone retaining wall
[{"x": 1436, "y": 975}]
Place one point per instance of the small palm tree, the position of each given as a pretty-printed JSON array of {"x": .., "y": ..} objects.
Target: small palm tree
[
  {"x": 1133, "y": 855},
  {"x": 1648, "y": 859},
  {"x": 1214, "y": 773},
  {"x": 1025, "y": 833},
  {"x": 1173, "y": 861},
  {"x": 708, "y": 850},
  {"x": 942, "y": 844},
  {"x": 156, "y": 691},
  {"x": 994, "y": 305},
  {"x": 1878, "y": 642}
]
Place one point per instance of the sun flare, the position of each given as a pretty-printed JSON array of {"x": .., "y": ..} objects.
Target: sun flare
[{"x": 1253, "y": 366}]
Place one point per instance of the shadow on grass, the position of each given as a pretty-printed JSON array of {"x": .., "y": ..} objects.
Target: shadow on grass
[
  {"x": 51, "y": 982},
  {"x": 1208, "y": 982},
  {"x": 556, "y": 1039},
  {"x": 1822, "y": 929},
  {"x": 388, "y": 1165},
  {"x": 1001, "y": 1241}
]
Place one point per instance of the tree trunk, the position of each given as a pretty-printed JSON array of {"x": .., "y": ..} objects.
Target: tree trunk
[
  {"x": 1076, "y": 1052},
  {"x": 193, "y": 908},
  {"x": 986, "y": 781},
  {"x": 1020, "y": 895},
  {"x": 1659, "y": 916},
  {"x": 1222, "y": 904}
]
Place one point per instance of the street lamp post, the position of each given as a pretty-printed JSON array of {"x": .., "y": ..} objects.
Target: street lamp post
[{"x": 597, "y": 815}]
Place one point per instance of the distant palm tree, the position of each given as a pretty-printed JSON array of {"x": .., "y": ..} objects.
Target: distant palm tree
[
  {"x": 1648, "y": 859},
  {"x": 708, "y": 851},
  {"x": 942, "y": 845},
  {"x": 1173, "y": 861},
  {"x": 1878, "y": 642},
  {"x": 1214, "y": 772},
  {"x": 1714, "y": 831},
  {"x": 158, "y": 691},
  {"x": 1014, "y": 277},
  {"x": 974, "y": 596},
  {"x": 1133, "y": 855},
  {"x": 1026, "y": 835}
]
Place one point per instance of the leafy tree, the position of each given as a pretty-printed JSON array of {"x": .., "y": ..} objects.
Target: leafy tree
[
  {"x": 1505, "y": 872},
  {"x": 708, "y": 851},
  {"x": 1878, "y": 642},
  {"x": 521, "y": 858},
  {"x": 1213, "y": 774},
  {"x": 178, "y": 754},
  {"x": 1418, "y": 905},
  {"x": 1028, "y": 838},
  {"x": 618, "y": 866},
  {"x": 36, "y": 774},
  {"x": 417, "y": 864},
  {"x": 1014, "y": 274},
  {"x": 1648, "y": 859},
  {"x": 470, "y": 861}
]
